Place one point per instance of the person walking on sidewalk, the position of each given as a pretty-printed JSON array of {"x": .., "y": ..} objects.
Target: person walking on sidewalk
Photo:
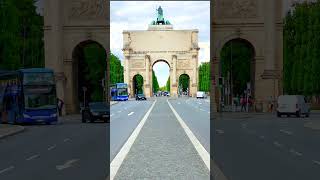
[
  {"x": 60, "y": 104},
  {"x": 243, "y": 103}
]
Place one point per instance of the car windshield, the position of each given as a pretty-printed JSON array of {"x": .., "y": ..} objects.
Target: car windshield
[{"x": 98, "y": 105}]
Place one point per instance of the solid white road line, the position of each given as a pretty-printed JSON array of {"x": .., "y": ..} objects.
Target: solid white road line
[
  {"x": 286, "y": 132},
  {"x": 130, "y": 113},
  {"x": 32, "y": 157},
  {"x": 6, "y": 169},
  {"x": 52, "y": 147},
  {"x": 205, "y": 156},
  {"x": 117, "y": 161}
]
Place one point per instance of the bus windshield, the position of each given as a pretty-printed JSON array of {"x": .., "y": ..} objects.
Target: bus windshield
[
  {"x": 122, "y": 92},
  {"x": 40, "y": 97}
]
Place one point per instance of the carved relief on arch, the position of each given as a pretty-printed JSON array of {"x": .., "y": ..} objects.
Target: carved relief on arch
[
  {"x": 88, "y": 9},
  {"x": 237, "y": 8}
]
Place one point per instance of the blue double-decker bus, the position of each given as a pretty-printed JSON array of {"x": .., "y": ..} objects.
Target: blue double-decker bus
[
  {"x": 28, "y": 96},
  {"x": 119, "y": 92}
]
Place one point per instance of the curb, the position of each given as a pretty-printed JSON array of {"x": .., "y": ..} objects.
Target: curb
[{"x": 14, "y": 132}]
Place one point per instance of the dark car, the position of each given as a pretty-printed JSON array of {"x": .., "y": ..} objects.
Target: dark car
[
  {"x": 141, "y": 97},
  {"x": 96, "y": 111}
]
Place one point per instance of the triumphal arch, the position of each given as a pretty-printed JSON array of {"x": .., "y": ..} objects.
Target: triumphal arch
[
  {"x": 259, "y": 24},
  {"x": 160, "y": 42},
  {"x": 68, "y": 27}
]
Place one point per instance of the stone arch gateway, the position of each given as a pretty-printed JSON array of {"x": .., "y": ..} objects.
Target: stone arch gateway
[
  {"x": 259, "y": 22},
  {"x": 178, "y": 48},
  {"x": 67, "y": 24}
]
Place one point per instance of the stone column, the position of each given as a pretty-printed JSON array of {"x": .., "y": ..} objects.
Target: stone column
[
  {"x": 194, "y": 74},
  {"x": 270, "y": 35},
  {"x": 148, "y": 90},
  {"x": 173, "y": 85},
  {"x": 127, "y": 73},
  {"x": 56, "y": 45}
]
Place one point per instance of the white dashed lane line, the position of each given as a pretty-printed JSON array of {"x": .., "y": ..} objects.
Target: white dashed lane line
[
  {"x": 277, "y": 144},
  {"x": 286, "y": 132},
  {"x": 6, "y": 169},
  {"x": 66, "y": 140},
  {"x": 32, "y": 157},
  {"x": 295, "y": 152},
  {"x": 130, "y": 113},
  {"x": 316, "y": 162},
  {"x": 219, "y": 131},
  {"x": 52, "y": 147}
]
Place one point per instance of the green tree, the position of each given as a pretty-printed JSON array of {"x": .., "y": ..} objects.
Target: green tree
[
  {"x": 155, "y": 83},
  {"x": 95, "y": 60},
  {"x": 168, "y": 84},
  {"x": 204, "y": 77},
  {"x": 116, "y": 70}
]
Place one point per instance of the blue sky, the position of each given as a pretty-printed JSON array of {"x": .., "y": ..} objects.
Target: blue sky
[{"x": 137, "y": 15}]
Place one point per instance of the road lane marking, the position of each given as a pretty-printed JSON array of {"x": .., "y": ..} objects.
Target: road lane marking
[
  {"x": 277, "y": 144},
  {"x": 117, "y": 161},
  {"x": 205, "y": 156},
  {"x": 32, "y": 157},
  {"x": 316, "y": 162},
  {"x": 52, "y": 147},
  {"x": 261, "y": 137},
  {"x": 66, "y": 140},
  {"x": 6, "y": 169},
  {"x": 67, "y": 164},
  {"x": 295, "y": 152},
  {"x": 130, "y": 113},
  {"x": 286, "y": 132},
  {"x": 219, "y": 131}
]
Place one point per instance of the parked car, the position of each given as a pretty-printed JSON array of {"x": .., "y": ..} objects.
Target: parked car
[
  {"x": 141, "y": 97},
  {"x": 292, "y": 105},
  {"x": 96, "y": 111},
  {"x": 201, "y": 94}
]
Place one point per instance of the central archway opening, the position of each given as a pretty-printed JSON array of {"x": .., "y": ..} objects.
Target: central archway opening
[
  {"x": 184, "y": 85},
  {"x": 89, "y": 71},
  {"x": 160, "y": 78},
  {"x": 238, "y": 70},
  {"x": 137, "y": 84}
]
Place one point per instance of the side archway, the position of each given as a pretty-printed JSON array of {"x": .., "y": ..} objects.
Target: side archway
[
  {"x": 184, "y": 85},
  {"x": 88, "y": 70},
  {"x": 137, "y": 85},
  {"x": 237, "y": 67}
]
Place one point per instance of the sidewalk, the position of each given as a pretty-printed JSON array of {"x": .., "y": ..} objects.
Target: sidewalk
[
  {"x": 9, "y": 130},
  {"x": 162, "y": 150}
]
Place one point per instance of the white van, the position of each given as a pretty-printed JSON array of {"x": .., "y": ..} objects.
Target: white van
[
  {"x": 201, "y": 94},
  {"x": 292, "y": 105}
]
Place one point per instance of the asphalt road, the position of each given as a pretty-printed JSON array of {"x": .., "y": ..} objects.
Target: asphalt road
[
  {"x": 125, "y": 116},
  {"x": 69, "y": 150},
  {"x": 196, "y": 114},
  {"x": 264, "y": 147},
  {"x": 162, "y": 150}
]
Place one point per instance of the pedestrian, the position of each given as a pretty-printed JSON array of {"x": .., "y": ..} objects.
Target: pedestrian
[
  {"x": 243, "y": 104},
  {"x": 60, "y": 104}
]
